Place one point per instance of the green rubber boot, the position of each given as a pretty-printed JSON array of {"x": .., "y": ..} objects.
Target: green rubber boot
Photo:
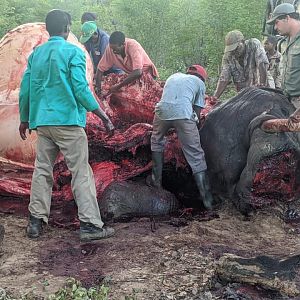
[{"x": 204, "y": 189}]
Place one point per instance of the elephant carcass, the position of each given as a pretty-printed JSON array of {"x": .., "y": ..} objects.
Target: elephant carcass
[
  {"x": 124, "y": 155},
  {"x": 245, "y": 163}
]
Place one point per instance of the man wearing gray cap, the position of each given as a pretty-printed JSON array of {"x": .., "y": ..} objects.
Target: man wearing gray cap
[
  {"x": 286, "y": 22},
  {"x": 245, "y": 61}
]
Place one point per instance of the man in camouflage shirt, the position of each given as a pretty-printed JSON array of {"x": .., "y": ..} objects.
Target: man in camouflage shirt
[{"x": 244, "y": 61}]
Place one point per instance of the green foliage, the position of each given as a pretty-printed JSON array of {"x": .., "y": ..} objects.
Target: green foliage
[
  {"x": 175, "y": 33},
  {"x": 74, "y": 291},
  {"x": 226, "y": 15}
]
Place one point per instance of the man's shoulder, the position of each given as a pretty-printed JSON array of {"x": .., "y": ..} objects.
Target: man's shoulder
[
  {"x": 72, "y": 46},
  {"x": 131, "y": 43},
  {"x": 65, "y": 50},
  {"x": 102, "y": 33},
  {"x": 72, "y": 49},
  {"x": 253, "y": 43},
  {"x": 60, "y": 44},
  {"x": 177, "y": 75},
  {"x": 182, "y": 77}
]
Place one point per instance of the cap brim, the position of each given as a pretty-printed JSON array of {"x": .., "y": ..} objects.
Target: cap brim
[
  {"x": 231, "y": 47},
  {"x": 272, "y": 20},
  {"x": 84, "y": 39}
]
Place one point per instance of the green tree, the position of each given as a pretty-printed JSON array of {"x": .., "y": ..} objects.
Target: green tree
[{"x": 175, "y": 33}]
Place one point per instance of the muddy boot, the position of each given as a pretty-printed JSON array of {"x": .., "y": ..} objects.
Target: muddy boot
[
  {"x": 204, "y": 189},
  {"x": 157, "y": 166},
  {"x": 34, "y": 227},
  {"x": 89, "y": 232}
]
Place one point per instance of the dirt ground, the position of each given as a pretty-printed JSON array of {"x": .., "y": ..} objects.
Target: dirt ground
[{"x": 175, "y": 260}]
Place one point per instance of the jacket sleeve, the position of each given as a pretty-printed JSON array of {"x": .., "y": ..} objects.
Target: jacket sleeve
[
  {"x": 260, "y": 53},
  {"x": 200, "y": 96},
  {"x": 103, "y": 43},
  {"x": 24, "y": 93},
  {"x": 225, "y": 74},
  {"x": 79, "y": 82}
]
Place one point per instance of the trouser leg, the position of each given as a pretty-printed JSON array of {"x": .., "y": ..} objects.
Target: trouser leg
[
  {"x": 160, "y": 128},
  {"x": 189, "y": 138},
  {"x": 73, "y": 143},
  {"x": 42, "y": 179}
]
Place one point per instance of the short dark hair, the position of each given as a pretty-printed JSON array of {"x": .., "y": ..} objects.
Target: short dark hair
[
  {"x": 88, "y": 16},
  {"x": 117, "y": 38},
  {"x": 294, "y": 15},
  {"x": 272, "y": 39},
  {"x": 57, "y": 21}
]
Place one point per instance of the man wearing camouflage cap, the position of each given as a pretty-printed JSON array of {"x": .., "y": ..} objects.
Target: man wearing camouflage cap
[
  {"x": 95, "y": 42},
  {"x": 244, "y": 61},
  {"x": 286, "y": 22}
]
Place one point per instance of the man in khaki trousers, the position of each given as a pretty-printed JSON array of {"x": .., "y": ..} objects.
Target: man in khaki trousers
[{"x": 54, "y": 98}]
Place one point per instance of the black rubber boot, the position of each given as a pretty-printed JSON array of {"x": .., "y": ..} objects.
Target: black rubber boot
[
  {"x": 204, "y": 189},
  {"x": 157, "y": 166},
  {"x": 89, "y": 232},
  {"x": 34, "y": 228}
]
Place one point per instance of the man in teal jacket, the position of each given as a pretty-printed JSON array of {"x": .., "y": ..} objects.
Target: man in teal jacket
[{"x": 54, "y": 98}]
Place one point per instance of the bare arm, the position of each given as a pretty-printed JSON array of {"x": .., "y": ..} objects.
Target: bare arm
[
  {"x": 98, "y": 76},
  {"x": 24, "y": 101},
  {"x": 262, "y": 68},
  {"x": 105, "y": 119},
  {"x": 221, "y": 86},
  {"x": 278, "y": 77},
  {"x": 135, "y": 74}
]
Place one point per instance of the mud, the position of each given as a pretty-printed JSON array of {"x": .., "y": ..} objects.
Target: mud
[{"x": 176, "y": 260}]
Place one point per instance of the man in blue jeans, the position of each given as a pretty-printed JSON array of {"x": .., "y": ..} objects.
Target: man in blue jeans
[
  {"x": 54, "y": 98},
  {"x": 179, "y": 108}
]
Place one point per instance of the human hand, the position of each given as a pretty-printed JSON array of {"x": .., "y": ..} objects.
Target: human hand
[
  {"x": 295, "y": 117},
  {"x": 22, "y": 130},
  {"x": 110, "y": 128},
  {"x": 261, "y": 85},
  {"x": 212, "y": 99}
]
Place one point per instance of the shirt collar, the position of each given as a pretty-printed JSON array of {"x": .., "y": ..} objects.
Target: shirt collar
[{"x": 56, "y": 38}]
